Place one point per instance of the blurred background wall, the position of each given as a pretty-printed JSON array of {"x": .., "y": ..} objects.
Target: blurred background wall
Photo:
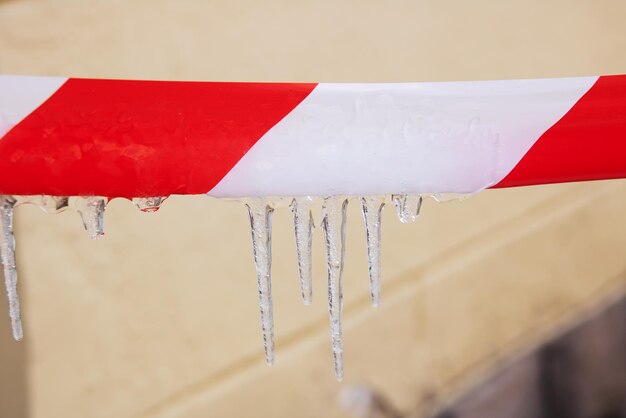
[{"x": 159, "y": 319}]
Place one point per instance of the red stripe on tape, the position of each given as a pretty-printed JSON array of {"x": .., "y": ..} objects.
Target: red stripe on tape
[
  {"x": 587, "y": 143},
  {"x": 140, "y": 138}
]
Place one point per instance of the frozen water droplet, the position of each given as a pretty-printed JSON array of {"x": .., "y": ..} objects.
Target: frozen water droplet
[
  {"x": 149, "y": 204},
  {"x": 303, "y": 225},
  {"x": 407, "y": 206},
  {"x": 91, "y": 210},
  {"x": 334, "y": 225},
  {"x": 260, "y": 213},
  {"x": 7, "y": 254},
  {"x": 372, "y": 208}
]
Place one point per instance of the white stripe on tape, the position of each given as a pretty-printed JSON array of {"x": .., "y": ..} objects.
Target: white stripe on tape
[
  {"x": 368, "y": 139},
  {"x": 20, "y": 95}
]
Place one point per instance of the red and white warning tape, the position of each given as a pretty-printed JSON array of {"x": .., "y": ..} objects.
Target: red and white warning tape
[
  {"x": 77, "y": 142},
  {"x": 121, "y": 138}
]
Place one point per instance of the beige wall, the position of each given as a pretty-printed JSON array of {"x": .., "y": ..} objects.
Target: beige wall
[{"x": 159, "y": 319}]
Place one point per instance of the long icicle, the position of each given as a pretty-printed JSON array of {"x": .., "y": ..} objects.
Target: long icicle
[
  {"x": 334, "y": 224},
  {"x": 372, "y": 208},
  {"x": 260, "y": 213},
  {"x": 7, "y": 253},
  {"x": 303, "y": 226}
]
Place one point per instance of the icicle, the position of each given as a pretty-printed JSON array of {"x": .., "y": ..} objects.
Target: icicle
[
  {"x": 303, "y": 225},
  {"x": 91, "y": 210},
  {"x": 260, "y": 213},
  {"x": 7, "y": 253},
  {"x": 47, "y": 203},
  {"x": 54, "y": 204},
  {"x": 407, "y": 206},
  {"x": 372, "y": 208},
  {"x": 334, "y": 224},
  {"x": 149, "y": 204}
]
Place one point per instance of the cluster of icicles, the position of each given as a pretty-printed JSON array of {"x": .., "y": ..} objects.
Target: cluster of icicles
[{"x": 91, "y": 210}]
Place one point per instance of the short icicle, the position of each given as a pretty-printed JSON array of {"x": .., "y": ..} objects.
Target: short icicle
[
  {"x": 334, "y": 224},
  {"x": 260, "y": 213},
  {"x": 407, "y": 206},
  {"x": 372, "y": 208},
  {"x": 303, "y": 226},
  {"x": 54, "y": 204},
  {"x": 7, "y": 253},
  {"x": 149, "y": 204},
  {"x": 91, "y": 209}
]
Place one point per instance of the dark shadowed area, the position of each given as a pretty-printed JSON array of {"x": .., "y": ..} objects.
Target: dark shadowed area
[{"x": 579, "y": 375}]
